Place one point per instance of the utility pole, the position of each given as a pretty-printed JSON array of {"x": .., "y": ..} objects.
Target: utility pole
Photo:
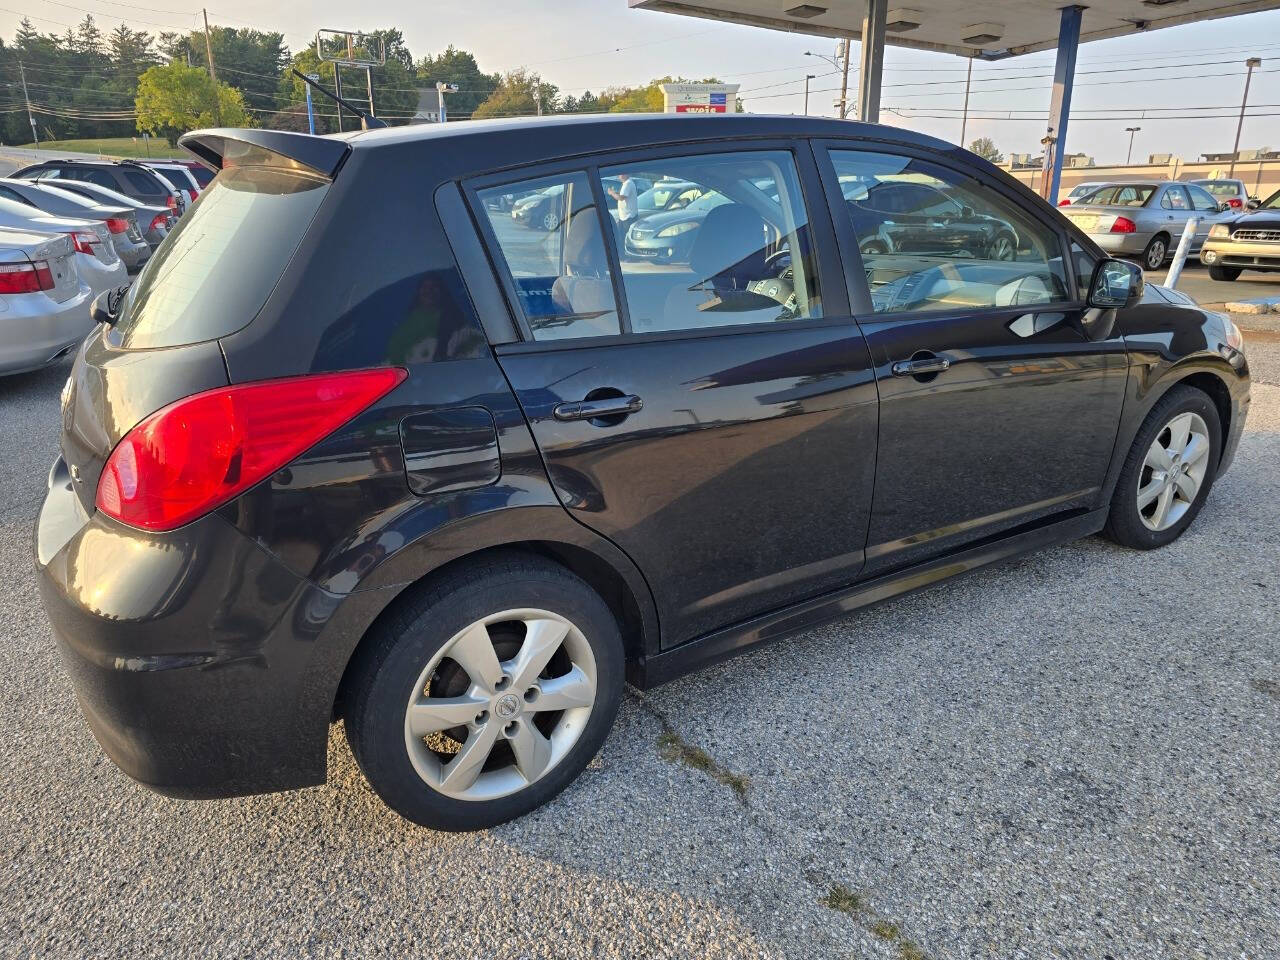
[
  {"x": 807, "y": 78},
  {"x": 1235, "y": 152},
  {"x": 311, "y": 113},
  {"x": 368, "y": 77},
  {"x": 1130, "y": 131},
  {"x": 213, "y": 73},
  {"x": 35, "y": 133},
  {"x": 537, "y": 99},
  {"x": 441, "y": 89},
  {"x": 964, "y": 119},
  {"x": 842, "y": 51}
]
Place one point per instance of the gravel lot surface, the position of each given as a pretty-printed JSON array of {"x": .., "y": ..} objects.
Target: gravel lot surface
[{"x": 1074, "y": 755}]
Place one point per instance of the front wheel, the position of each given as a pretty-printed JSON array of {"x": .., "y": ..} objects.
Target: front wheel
[
  {"x": 1224, "y": 273},
  {"x": 1168, "y": 472},
  {"x": 1153, "y": 256},
  {"x": 487, "y": 695},
  {"x": 550, "y": 221},
  {"x": 1002, "y": 248}
]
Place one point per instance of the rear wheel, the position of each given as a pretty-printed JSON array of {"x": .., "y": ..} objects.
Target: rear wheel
[
  {"x": 487, "y": 695},
  {"x": 1153, "y": 256},
  {"x": 550, "y": 221},
  {"x": 1002, "y": 248},
  {"x": 1224, "y": 273},
  {"x": 1168, "y": 472}
]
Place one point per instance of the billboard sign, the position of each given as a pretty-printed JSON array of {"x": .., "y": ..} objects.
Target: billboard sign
[{"x": 699, "y": 97}]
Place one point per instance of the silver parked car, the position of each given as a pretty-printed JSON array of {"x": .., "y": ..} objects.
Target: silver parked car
[
  {"x": 155, "y": 220},
  {"x": 43, "y": 301},
  {"x": 96, "y": 260},
  {"x": 1146, "y": 220},
  {"x": 1231, "y": 192},
  {"x": 1078, "y": 191},
  {"x": 122, "y": 223}
]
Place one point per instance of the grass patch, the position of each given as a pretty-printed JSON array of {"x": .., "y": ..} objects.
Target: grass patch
[
  {"x": 673, "y": 749},
  {"x": 112, "y": 147},
  {"x": 841, "y": 898},
  {"x": 909, "y": 951},
  {"x": 885, "y": 929}
]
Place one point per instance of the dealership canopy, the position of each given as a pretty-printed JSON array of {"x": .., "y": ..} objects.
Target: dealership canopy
[{"x": 992, "y": 30}]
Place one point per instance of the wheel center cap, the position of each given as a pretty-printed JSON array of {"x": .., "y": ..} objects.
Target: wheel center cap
[{"x": 507, "y": 706}]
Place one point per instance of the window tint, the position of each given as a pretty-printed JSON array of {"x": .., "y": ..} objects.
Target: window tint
[
  {"x": 1201, "y": 199},
  {"x": 733, "y": 246},
  {"x": 140, "y": 182},
  {"x": 9, "y": 194},
  {"x": 1175, "y": 199},
  {"x": 551, "y": 242},
  {"x": 932, "y": 239},
  {"x": 221, "y": 261},
  {"x": 1084, "y": 264}
]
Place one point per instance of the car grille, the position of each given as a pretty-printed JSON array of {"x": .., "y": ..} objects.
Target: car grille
[{"x": 1266, "y": 236}]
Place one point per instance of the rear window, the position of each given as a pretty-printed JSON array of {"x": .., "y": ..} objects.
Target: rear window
[
  {"x": 217, "y": 267},
  {"x": 203, "y": 175}
]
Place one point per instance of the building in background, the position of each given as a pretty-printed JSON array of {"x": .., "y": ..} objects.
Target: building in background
[
  {"x": 699, "y": 97},
  {"x": 428, "y": 108}
]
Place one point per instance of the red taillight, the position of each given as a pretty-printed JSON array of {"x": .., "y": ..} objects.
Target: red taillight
[
  {"x": 171, "y": 202},
  {"x": 1123, "y": 225},
  {"x": 1235, "y": 202},
  {"x": 158, "y": 221},
  {"x": 83, "y": 242},
  {"x": 192, "y": 194},
  {"x": 1065, "y": 203},
  {"x": 196, "y": 454},
  {"x": 117, "y": 224},
  {"x": 25, "y": 277}
]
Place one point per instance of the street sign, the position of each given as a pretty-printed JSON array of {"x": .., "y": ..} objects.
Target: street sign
[{"x": 699, "y": 97}]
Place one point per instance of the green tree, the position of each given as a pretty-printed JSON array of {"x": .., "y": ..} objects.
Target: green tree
[
  {"x": 452, "y": 65},
  {"x": 514, "y": 96},
  {"x": 985, "y": 147},
  {"x": 646, "y": 99},
  {"x": 175, "y": 98},
  {"x": 249, "y": 60}
]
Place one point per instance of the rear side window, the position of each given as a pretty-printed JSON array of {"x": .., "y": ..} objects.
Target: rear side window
[
  {"x": 142, "y": 183},
  {"x": 217, "y": 267},
  {"x": 548, "y": 232}
]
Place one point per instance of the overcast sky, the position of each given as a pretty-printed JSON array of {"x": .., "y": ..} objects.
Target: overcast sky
[{"x": 593, "y": 44}]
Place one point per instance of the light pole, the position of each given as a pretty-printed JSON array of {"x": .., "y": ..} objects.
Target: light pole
[
  {"x": 839, "y": 62},
  {"x": 807, "y": 78},
  {"x": 1131, "y": 131},
  {"x": 441, "y": 89},
  {"x": 1244, "y": 102}
]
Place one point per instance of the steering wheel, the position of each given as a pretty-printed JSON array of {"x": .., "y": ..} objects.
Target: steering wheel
[{"x": 773, "y": 258}]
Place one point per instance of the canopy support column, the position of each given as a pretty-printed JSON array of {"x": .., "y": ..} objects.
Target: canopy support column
[
  {"x": 871, "y": 65},
  {"x": 1064, "y": 78}
]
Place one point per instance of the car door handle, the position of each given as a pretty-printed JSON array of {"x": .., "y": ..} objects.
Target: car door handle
[
  {"x": 920, "y": 365},
  {"x": 604, "y": 407}
]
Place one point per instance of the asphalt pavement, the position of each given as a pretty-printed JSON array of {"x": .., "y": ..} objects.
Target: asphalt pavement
[{"x": 1073, "y": 755}]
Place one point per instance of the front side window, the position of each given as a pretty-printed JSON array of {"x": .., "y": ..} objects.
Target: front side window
[
  {"x": 550, "y": 240},
  {"x": 933, "y": 239},
  {"x": 1201, "y": 199},
  {"x": 729, "y": 246}
]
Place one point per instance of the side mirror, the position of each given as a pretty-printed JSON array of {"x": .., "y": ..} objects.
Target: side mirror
[
  {"x": 1223, "y": 207},
  {"x": 1116, "y": 284},
  {"x": 106, "y": 305}
]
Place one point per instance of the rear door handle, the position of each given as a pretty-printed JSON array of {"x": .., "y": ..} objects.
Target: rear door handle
[
  {"x": 921, "y": 365},
  {"x": 604, "y": 407}
]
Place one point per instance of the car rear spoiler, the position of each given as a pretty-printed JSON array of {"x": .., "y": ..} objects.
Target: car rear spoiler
[{"x": 324, "y": 155}]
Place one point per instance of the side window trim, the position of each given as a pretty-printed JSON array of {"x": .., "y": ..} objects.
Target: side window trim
[
  {"x": 607, "y": 235},
  {"x": 859, "y": 290}
]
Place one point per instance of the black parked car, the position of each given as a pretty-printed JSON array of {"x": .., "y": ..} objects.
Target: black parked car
[
  {"x": 134, "y": 180},
  {"x": 386, "y": 459},
  {"x": 912, "y": 217}
]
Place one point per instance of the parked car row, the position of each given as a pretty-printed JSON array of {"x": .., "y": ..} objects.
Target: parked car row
[{"x": 71, "y": 230}]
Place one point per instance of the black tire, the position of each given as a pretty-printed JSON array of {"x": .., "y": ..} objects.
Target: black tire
[
  {"x": 1124, "y": 522},
  {"x": 1003, "y": 247},
  {"x": 1224, "y": 273},
  {"x": 391, "y": 660},
  {"x": 1156, "y": 252}
]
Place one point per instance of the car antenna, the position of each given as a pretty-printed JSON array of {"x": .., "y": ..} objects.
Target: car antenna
[{"x": 366, "y": 121}]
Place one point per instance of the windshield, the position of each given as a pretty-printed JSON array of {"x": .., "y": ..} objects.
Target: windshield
[
  {"x": 708, "y": 200},
  {"x": 1122, "y": 195},
  {"x": 217, "y": 267},
  {"x": 1271, "y": 203}
]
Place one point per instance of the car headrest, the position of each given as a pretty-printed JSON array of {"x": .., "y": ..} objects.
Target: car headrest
[
  {"x": 730, "y": 241},
  {"x": 584, "y": 247}
]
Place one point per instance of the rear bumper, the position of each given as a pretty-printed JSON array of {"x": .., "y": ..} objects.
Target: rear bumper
[
  {"x": 34, "y": 330},
  {"x": 133, "y": 254},
  {"x": 1129, "y": 244},
  {"x": 194, "y": 654},
  {"x": 101, "y": 276},
  {"x": 1236, "y": 253}
]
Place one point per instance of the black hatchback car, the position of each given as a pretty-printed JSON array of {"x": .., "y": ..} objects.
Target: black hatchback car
[{"x": 355, "y": 446}]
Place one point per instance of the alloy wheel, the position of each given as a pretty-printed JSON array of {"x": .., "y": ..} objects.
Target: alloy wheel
[
  {"x": 500, "y": 704},
  {"x": 1002, "y": 248},
  {"x": 1173, "y": 471},
  {"x": 550, "y": 221},
  {"x": 1155, "y": 254}
]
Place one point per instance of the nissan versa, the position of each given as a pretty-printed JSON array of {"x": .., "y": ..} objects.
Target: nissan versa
[{"x": 357, "y": 446}]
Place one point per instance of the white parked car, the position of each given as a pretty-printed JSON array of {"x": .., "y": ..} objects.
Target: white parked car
[
  {"x": 44, "y": 304},
  {"x": 96, "y": 259}
]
